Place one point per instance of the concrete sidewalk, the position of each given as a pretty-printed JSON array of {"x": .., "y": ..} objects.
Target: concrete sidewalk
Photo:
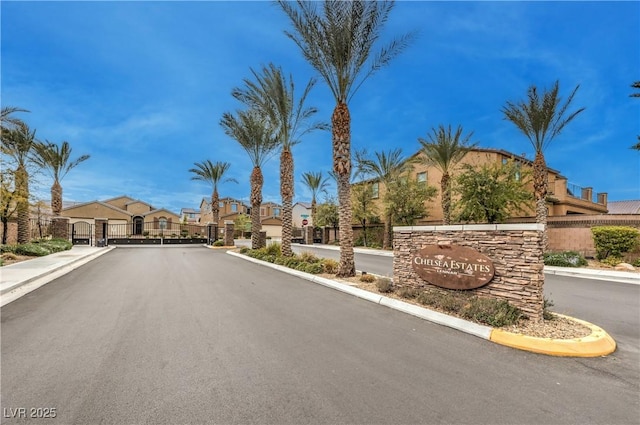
[{"x": 21, "y": 278}]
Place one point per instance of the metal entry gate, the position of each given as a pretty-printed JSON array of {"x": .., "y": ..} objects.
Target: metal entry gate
[{"x": 81, "y": 233}]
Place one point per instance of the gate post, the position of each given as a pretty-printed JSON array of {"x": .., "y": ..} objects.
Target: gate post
[
  {"x": 308, "y": 235},
  {"x": 101, "y": 231},
  {"x": 60, "y": 227},
  {"x": 228, "y": 233}
]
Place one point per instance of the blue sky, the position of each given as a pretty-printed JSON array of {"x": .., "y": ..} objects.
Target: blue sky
[{"x": 141, "y": 87}]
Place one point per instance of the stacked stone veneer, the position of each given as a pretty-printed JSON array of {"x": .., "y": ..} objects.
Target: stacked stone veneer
[{"x": 515, "y": 249}]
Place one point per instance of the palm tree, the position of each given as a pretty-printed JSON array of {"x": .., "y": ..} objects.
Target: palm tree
[
  {"x": 255, "y": 134},
  {"x": 213, "y": 173},
  {"x": 56, "y": 159},
  {"x": 636, "y": 85},
  {"x": 18, "y": 143},
  {"x": 273, "y": 94},
  {"x": 443, "y": 150},
  {"x": 7, "y": 120},
  {"x": 316, "y": 184},
  {"x": 541, "y": 119},
  {"x": 386, "y": 168},
  {"x": 338, "y": 42}
]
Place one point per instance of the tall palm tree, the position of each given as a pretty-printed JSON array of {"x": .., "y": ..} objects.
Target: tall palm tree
[
  {"x": 386, "y": 168},
  {"x": 255, "y": 134},
  {"x": 56, "y": 159},
  {"x": 541, "y": 118},
  {"x": 7, "y": 120},
  {"x": 212, "y": 173},
  {"x": 636, "y": 85},
  {"x": 274, "y": 94},
  {"x": 317, "y": 184},
  {"x": 18, "y": 143},
  {"x": 338, "y": 42},
  {"x": 444, "y": 149}
]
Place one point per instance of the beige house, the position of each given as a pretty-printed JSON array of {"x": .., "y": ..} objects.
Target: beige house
[
  {"x": 563, "y": 198},
  {"x": 123, "y": 215}
]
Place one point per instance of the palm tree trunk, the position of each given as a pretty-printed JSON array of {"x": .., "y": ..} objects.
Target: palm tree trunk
[
  {"x": 256, "y": 200},
  {"x": 56, "y": 198},
  {"x": 22, "y": 207},
  {"x": 286, "y": 191},
  {"x": 386, "y": 240},
  {"x": 540, "y": 191},
  {"x": 446, "y": 199},
  {"x": 341, "y": 129},
  {"x": 215, "y": 207}
]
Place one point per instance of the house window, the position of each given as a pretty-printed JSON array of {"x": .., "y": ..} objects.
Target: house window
[
  {"x": 263, "y": 212},
  {"x": 163, "y": 223},
  {"x": 276, "y": 212},
  {"x": 518, "y": 175},
  {"x": 375, "y": 189},
  {"x": 422, "y": 177},
  {"x": 234, "y": 207},
  {"x": 221, "y": 204}
]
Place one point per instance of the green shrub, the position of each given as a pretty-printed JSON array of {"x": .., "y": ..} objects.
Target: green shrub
[
  {"x": 447, "y": 301},
  {"x": 8, "y": 248},
  {"x": 56, "y": 245},
  {"x": 292, "y": 262},
  {"x": 32, "y": 250},
  {"x": 492, "y": 312},
  {"x": 244, "y": 250},
  {"x": 564, "y": 259},
  {"x": 636, "y": 263},
  {"x": 614, "y": 241},
  {"x": 313, "y": 268},
  {"x": 368, "y": 278},
  {"x": 309, "y": 257},
  {"x": 330, "y": 265},
  {"x": 546, "y": 313},
  {"x": 409, "y": 293},
  {"x": 384, "y": 285},
  {"x": 220, "y": 243},
  {"x": 612, "y": 260},
  {"x": 273, "y": 249}
]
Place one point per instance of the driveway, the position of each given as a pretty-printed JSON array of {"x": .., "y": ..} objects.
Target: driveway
[{"x": 191, "y": 335}]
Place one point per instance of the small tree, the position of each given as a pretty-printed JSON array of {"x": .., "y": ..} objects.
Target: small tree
[
  {"x": 327, "y": 215},
  {"x": 242, "y": 223},
  {"x": 364, "y": 208},
  {"x": 491, "y": 193},
  {"x": 8, "y": 202},
  {"x": 406, "y": 200},
  {"x": 614, "y": 241}
]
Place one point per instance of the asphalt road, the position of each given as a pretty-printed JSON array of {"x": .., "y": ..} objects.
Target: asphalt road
[{"x": 190, "y": 335}]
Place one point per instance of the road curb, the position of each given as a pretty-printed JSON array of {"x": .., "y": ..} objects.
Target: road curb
[
  {"x": 19, "y": 289},
  {"x": 608, "y": 275},
  {"x": 597, "y": 344}
]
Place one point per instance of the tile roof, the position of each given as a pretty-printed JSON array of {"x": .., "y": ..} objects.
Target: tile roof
[{"x": 624, "y": 207}]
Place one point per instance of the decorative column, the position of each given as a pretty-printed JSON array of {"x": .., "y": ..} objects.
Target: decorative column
[
  {"x": 228, "y": 233},
  {"x": 60, "y": 227},
  {"x": 308, "y": 235},
  {"x": 101, "y": 231}
]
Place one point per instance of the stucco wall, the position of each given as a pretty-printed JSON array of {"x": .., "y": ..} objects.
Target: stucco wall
[{"x": 515, "y": 250}]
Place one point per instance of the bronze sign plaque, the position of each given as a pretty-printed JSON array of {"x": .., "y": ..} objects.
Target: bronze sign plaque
[{"x": 453, "y": 266}]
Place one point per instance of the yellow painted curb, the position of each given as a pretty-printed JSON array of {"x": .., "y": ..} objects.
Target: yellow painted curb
[{"x": 597, "y": 344}]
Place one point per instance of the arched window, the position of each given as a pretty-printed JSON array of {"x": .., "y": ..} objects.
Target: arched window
[{"x": 163, "y": 223}]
